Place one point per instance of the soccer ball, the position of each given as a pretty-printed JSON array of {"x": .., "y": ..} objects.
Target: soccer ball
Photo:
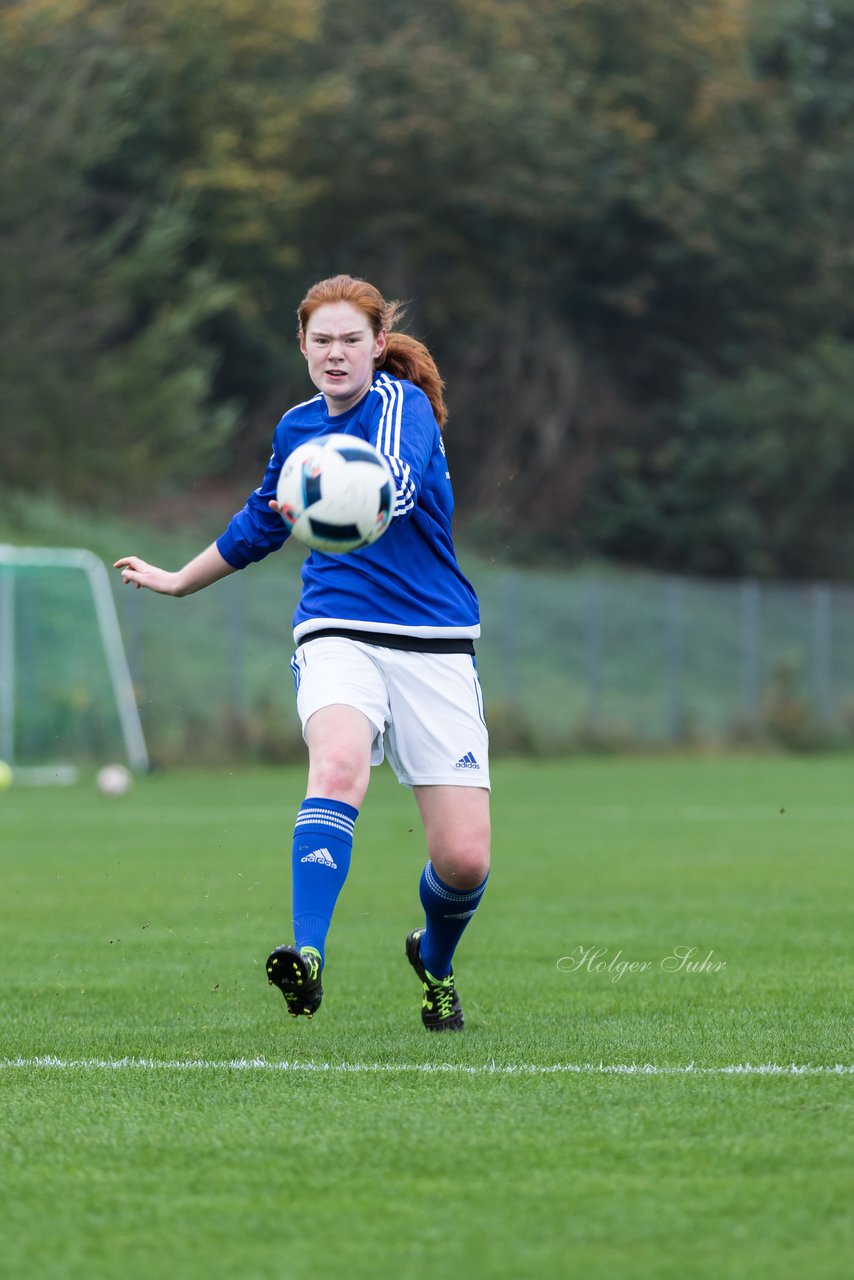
[
  {"x": 336, "y": 493},
  {"x": 114, "y": 780}
]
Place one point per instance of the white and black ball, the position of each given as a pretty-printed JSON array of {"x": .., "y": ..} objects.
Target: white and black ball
[{"x": 336, "y": 493}]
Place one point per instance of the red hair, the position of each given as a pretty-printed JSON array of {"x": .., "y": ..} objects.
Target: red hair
[{"x": 404, "y": 357}]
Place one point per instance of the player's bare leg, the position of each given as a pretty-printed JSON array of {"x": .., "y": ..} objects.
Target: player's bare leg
[
  {"x": 457, "y": 828},
  {"x": 339, "y": 754}
]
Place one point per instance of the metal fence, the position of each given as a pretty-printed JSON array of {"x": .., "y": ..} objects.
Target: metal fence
[
  {"x": 646, "y": 659},
  {"x": 567, "y": 660}
]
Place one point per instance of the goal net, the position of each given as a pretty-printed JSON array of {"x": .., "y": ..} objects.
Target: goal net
[{"x": 66, "y": 694}]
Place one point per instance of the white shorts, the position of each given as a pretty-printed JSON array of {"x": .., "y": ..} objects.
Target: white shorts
[{"x": 426, "y": 708}]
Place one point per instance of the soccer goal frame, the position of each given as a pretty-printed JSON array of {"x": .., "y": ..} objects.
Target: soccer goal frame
[{"x": 13, "y": 558}]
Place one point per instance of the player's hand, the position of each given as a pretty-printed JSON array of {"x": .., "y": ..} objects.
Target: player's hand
[{"x": 140, "y": 573}]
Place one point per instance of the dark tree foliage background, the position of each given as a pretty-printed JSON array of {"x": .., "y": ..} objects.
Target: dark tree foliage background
[{"x": 626, "y": 230}]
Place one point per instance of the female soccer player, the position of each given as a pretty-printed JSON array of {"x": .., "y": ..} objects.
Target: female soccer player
[{"x": 384, "y": 660}]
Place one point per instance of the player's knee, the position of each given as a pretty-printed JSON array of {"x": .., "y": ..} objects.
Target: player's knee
[
  {"x": 472, "y": 871},
  {"x": 339, "y": 776},
  {"x": 462, "y": 864}
]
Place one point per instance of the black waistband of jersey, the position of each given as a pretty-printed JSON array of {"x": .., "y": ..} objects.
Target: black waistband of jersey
[{"x": 414, "y": 644}]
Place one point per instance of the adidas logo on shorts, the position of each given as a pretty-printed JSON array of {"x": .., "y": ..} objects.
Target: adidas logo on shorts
[
  {"x": 323, "y": 856},
  {"x": 467, "y": 762}
]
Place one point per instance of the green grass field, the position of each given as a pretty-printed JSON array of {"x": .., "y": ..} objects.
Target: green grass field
[{"x": 160, "y": 1115}]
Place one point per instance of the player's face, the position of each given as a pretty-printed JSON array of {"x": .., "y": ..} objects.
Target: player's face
[{"x": 340, "y": 348}]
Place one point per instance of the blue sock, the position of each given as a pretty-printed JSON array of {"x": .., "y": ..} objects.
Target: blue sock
[
  {"x": 323, "y": 843},
  {"x": 448, "y": 911}
]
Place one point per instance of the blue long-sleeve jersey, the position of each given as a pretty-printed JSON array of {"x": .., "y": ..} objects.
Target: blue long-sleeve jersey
[{"x": 407, "y": 583}]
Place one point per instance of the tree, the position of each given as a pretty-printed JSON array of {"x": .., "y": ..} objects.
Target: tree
[
  {"x": 144, "y": 204},
  {"x": 615, "y": 223},
  {"x": 747, "y": 465}
]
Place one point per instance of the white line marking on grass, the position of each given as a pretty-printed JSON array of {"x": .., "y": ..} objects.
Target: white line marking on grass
[{"x": 401, "y": 1068}]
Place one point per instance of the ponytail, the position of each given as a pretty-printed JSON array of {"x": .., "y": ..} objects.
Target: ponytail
[{"x": 406, "y": 357}]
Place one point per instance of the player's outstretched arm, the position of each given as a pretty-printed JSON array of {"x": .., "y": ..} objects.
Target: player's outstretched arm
[{"x": 206, "y": 568}]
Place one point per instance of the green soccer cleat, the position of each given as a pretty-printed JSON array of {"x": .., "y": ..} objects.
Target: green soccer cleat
[
  {"x": 297, "y": 975},
  {"x": 440, "y": 1007}
]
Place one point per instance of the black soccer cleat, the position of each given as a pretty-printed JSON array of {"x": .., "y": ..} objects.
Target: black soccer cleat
[
  {"x": 440, "y": 1007},
  {"x": 297, "y": 975}
]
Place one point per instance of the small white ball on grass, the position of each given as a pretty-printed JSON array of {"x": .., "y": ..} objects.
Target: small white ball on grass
[
  {"x": 114, "y": 780},
  {"x": 6, "y": 776}
]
